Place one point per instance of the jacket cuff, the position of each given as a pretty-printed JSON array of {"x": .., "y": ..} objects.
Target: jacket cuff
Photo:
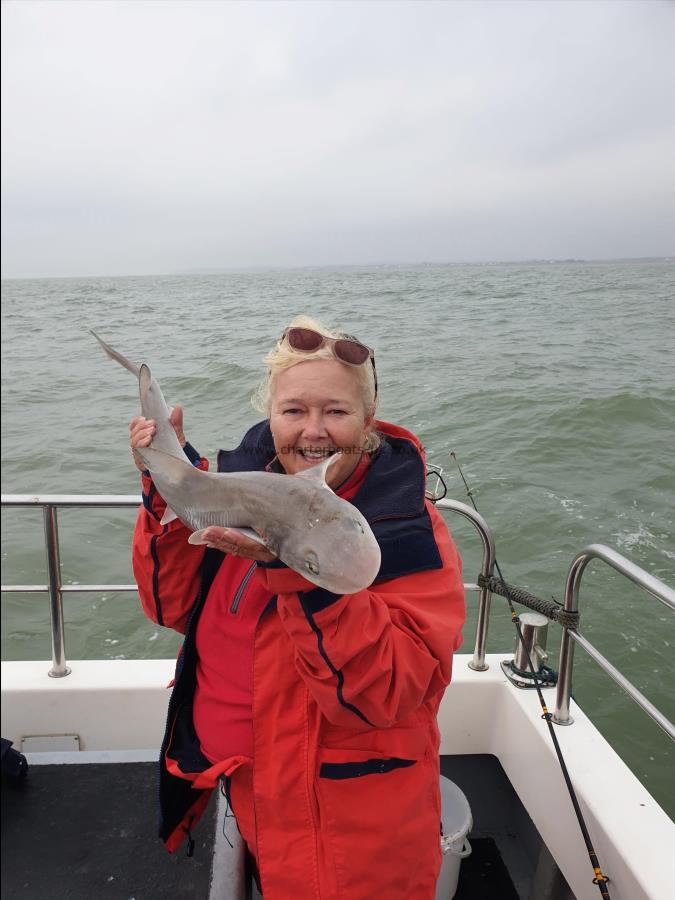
[
  {"x": 314, "y": 601},
  {"x": 191, "y": 453},
  {"x": 150, "y": 497}
]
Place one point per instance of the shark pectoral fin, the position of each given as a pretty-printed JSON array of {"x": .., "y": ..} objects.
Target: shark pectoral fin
[
  {"x": 169, "y": 516},
  {"x": 197, "y": 537},
  {"x": 318, "y": 472},
  {"x": 251, "y": 534}
]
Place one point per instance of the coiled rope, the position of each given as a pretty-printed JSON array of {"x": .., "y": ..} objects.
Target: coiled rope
[{"x": 549, "y": 608}]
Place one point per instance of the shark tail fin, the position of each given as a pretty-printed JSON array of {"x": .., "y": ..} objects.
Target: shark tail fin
[{"x": 113, "y": 354}]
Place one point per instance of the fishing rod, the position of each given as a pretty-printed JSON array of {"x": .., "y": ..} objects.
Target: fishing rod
[{"x": 600, "y": 878}]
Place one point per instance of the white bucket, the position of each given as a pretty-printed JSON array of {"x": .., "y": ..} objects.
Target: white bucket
[{"x": 457, "y": 822}]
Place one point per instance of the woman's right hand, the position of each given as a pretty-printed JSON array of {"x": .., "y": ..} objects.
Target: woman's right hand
[{"x": 142, "y": 431}]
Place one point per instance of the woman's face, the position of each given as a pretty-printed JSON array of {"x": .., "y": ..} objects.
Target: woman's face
[{"x": 317, "y": 409}]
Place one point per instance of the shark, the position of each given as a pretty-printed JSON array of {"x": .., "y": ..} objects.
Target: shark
[{"x": 297, "y": 517}]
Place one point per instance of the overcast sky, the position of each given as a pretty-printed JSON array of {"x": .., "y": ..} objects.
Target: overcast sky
[{"x": 160, "y": 137}]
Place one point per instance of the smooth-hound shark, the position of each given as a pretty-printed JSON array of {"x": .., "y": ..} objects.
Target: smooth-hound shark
[{"x": 297, "y": 517}]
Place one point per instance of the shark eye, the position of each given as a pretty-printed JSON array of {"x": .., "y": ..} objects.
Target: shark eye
[
  {"x": 312, "y": 562},
  {"x": 358, "y": 526}
]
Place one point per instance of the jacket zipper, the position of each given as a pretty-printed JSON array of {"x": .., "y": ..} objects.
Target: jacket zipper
[{"x": 242, "y": 588}]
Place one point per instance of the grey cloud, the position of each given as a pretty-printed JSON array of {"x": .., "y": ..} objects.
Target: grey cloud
[{"x": 145, "y": 137}]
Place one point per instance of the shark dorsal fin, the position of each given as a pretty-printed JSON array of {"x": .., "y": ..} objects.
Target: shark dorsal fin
[{"x": 318, "y": 473}]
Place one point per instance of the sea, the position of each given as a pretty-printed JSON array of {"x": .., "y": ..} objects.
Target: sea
[{"x": 552, "y": 384}]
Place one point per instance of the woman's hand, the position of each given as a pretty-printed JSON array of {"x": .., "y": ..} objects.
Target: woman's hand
[
  {"x": 142, "y": 431},
  {"x": 234, "y": 543}
]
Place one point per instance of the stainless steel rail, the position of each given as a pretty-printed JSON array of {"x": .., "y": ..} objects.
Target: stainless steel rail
[
  {"x": 49, "y": 504},
  {"x": 468, "y": 512},
  {"x": 638, "y": 576},
  {"x": 55, "y": 589}
]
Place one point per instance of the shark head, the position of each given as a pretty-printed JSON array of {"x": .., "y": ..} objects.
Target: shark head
[
  {"x": 340, "y": 555},
  {"x": 335, "y": 548}
]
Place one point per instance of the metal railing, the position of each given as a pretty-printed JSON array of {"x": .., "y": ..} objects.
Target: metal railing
[
  {"x": 478, "y": 662},
  {"x": 570, "y": 636},
  {"x": 639, "y": 577},
  {"x": 56, "y": 589}
]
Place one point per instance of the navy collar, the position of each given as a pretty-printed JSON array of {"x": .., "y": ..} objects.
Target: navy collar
[
  {"x": 394, "y": 486},
  {"x": 254, "y": 453}
]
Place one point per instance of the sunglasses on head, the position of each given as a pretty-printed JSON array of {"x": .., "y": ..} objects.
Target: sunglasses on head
[{"x": 346, "y": 349}]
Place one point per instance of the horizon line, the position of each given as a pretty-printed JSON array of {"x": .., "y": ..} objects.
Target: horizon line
[{"x": 263, "y": 267}]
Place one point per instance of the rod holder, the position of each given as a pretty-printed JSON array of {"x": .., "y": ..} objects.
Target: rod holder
[{"x": 534, "y": 628}]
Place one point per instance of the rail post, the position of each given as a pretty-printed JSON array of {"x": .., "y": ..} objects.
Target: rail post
[
  {"x": 59, "y": 668},
  {"x": 642, "y": 579},
  {"x": 478, "y": 661}
]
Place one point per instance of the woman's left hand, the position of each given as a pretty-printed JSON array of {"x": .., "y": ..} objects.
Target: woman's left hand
[{"x": 235, "y": 544}]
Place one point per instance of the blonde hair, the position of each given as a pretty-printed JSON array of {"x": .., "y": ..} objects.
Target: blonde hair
[{"x": 283, "y": 357}]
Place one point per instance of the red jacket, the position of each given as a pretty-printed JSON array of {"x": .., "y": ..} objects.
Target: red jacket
[{"x": 341, "y": 799}]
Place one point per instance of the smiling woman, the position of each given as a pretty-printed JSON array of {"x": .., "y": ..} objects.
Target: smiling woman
[
  {"x": 320, "y": 398},
  {"x": 316, "y": 411},
  {"x": 314, "y": 709}
]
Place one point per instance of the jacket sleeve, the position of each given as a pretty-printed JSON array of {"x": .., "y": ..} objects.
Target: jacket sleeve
[
  {"x": 165, "y": 566},
  {"x": 380, "y": 654}
]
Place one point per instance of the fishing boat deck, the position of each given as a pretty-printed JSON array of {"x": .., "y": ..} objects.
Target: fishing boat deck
[
  {"x": 83, "y": 831},
  {"x": 89, "y": 830}
]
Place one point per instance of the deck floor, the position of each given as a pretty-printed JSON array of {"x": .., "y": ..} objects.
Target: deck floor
[
  {"x": 79, "y": 832},
  {"x": 483, "y": 875}
]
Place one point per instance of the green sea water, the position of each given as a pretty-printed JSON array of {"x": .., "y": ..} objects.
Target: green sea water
[{"x": 554, "y": 384}]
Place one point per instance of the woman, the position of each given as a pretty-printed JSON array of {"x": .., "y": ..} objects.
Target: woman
[{"x": 318, "y": 711}]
